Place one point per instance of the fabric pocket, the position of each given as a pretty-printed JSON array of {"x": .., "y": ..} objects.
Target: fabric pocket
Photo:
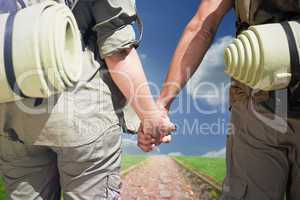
[
  {"x": 18, "y": 154},
  {"x": 113, "y": 187},
  {"x": 10, "y": 150}
]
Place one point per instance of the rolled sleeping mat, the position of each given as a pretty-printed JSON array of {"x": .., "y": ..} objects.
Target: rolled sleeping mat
[
  {"x": 260, "y": 57},
  {"x": 40, "y": 52}
]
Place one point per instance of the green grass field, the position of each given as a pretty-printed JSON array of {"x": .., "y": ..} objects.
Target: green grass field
[
  {"x": 129, "y": 161},
  {"x": 2, "y": 191},
  {"x": 213, "y": 167}
]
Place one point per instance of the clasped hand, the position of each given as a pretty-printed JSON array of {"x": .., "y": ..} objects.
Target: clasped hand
[{"x": 154, "y": 130}]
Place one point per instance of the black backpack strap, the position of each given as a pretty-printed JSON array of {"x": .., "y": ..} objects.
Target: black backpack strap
[
  {"x": 294, "y": 55},
  {"x": 22, "y": 4},
  {"x": 71, "y": 3},
  {"x": 140, "y": 27},
  {"x": 12, "y": 8},
  {"x": 294, "y": 89},
  {"x": 8, "y": 56}
]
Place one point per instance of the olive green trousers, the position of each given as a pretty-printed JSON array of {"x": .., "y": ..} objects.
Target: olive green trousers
[{"x": 263, "y": 151}]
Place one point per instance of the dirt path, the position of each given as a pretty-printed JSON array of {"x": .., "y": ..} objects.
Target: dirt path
[{"x": 161, "y": 178}]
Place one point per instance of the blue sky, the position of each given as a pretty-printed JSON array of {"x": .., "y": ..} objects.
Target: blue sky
[{"x": 164, "y": 21}]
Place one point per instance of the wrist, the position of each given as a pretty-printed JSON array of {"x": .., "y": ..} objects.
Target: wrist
[
  {"x": 152, "y": 111},
  {"x": 164, "y": 103}
]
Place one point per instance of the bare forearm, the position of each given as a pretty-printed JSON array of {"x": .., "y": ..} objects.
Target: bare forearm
[
  {"x": 127, "y": 72},
  {"x": 187, "y": 57},
  {"x": 194, "y": 43}
]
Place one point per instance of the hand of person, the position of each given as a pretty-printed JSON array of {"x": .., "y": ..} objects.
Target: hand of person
[
  {"x": 168, "y": 138},
  {"x": 155, "y": 130},
  {"x": 147, "y": 143}
]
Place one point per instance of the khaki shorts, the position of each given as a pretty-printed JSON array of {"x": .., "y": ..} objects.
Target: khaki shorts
[
  {"x": 262, "y": 162},
  {"x": 90, "y": 171}
]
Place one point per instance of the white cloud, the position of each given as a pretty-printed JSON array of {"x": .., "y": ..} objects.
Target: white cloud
[
  {"x": 176, "y": 154},
  {"x": 216, "y": 154},
  {"x": 209, "y": 79}
]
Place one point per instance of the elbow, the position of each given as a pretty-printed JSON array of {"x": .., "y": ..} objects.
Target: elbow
[
  {"x": 206, "y": 21},
  {"x": 122, "y": 59},
  {"x": 118, "y": 56}
]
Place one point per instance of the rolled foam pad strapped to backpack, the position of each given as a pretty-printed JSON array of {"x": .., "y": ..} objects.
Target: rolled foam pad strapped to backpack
[
  {"x": 41, "y": 52},
  {"x": 260, "y": 57}
]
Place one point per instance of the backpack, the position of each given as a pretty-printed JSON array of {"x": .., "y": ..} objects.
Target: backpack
[
  {"x": 11, "y": 7},
  {"x": 255, "y": 12}
]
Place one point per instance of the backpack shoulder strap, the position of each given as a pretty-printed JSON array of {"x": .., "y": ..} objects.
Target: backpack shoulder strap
[
  {"x": 22, "y": 3},
  {"x": 8, "y": 60}
]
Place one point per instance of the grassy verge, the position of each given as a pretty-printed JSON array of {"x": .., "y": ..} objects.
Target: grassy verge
[
  {"x": 2, "y": 190},
  {"x": 213, "y": 167},
  {"x": 129, "y": 161}
]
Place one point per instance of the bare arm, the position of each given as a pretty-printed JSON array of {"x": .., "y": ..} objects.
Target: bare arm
[
  {"x": 194, "y": 43},
  {"x": 127, "y": 72}
]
